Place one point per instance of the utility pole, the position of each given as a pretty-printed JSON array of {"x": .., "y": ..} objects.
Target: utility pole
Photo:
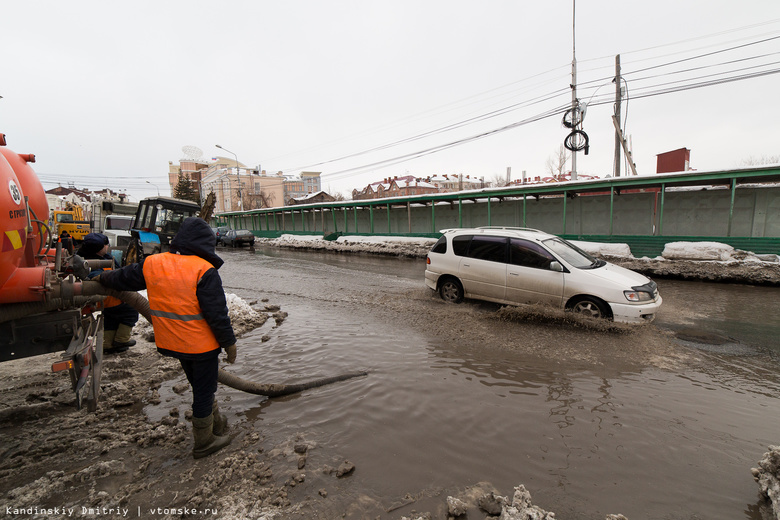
[
  {"x": 574, "y": 113},
  {"x": 238, "y": 177},
  {"x": 618, "y": 99},
  {"x": 619, "y": 134}
]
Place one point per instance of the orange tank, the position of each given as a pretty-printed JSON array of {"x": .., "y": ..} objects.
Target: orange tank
[{"x": 23, "y": 200}]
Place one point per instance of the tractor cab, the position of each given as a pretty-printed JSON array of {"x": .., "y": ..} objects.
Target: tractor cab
[{"x": 157, "y": 221}]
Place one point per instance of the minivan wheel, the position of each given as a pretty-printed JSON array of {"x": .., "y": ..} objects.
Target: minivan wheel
[
  {"x": 590, "y": 308},
  {"x": 451, "y": 291}
]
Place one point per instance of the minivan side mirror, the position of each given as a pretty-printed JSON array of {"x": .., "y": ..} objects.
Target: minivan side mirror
[{"x": 556, "y": 266}]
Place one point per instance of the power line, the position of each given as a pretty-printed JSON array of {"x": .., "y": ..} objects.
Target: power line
[
  {"x": 553, "y": 112},
  {"x": 469, "y": 100}
]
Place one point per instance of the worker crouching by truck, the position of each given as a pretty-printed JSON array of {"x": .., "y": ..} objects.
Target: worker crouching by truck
[
  {"x": 119, "y": 318},
  {"x": 190, "y": 319}
]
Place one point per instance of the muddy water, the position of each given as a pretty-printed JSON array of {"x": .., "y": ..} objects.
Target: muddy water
[{"x": 445, "y": 406}]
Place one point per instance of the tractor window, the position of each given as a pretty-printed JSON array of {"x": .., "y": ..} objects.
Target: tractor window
[
  {"x": 64, "y": 217},
  {"x": 169, "y": 219},
  {"x": 146, "y": 217}
]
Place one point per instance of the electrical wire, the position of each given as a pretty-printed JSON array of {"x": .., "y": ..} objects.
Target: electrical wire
[
  {"x": 560, "y": 110},
  {"x": 697, "y": 83},
  {"x": 640, "y": 91}
]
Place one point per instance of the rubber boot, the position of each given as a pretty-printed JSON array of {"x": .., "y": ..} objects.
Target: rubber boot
[
  {"x": 206, "y": 442},
  {"x": 108, "y": 339},
  {"x": 122, "y": 337},
  {"x": 220, "y": 420}
]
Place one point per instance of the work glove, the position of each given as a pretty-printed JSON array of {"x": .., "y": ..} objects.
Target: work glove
[{"x": 231, "y": 353}]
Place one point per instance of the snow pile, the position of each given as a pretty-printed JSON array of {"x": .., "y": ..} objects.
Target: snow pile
[
  {"x": 346, "y": 239},
  {"x": 768, "y": 477},
  {"x": 495, "y": 506},
  {"x": 419, "y": 247},
  {"x": 688, "y": 260},
  {"x": 603, "y": 249},
  {"x": 383, "y": 245},
  {"x": 294, "y": 239},
  {"x": 712, "y": 251},
  {"x": 242, "y": 316},
  {"x": 522, "y": 508},
  {"x": 697, "y": 251}
]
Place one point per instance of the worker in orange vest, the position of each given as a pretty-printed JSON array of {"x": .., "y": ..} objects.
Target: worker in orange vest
[{"x": 190, "y": 319}]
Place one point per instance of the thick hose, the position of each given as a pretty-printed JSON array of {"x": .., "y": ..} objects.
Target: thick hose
[
  {"x": 233, "y": 381},
  {"x": 141, "y": 304}
]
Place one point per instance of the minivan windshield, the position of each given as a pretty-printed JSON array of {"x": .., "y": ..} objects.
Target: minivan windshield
[{"x": 572, "y": 254}]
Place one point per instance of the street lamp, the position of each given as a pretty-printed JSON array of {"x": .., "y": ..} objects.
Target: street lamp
[
  {"x": 238, "y": 176},
  {"x": 153, "y": 184}
]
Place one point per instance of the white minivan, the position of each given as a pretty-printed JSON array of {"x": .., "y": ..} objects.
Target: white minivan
[{"x": 526, "y": 266}]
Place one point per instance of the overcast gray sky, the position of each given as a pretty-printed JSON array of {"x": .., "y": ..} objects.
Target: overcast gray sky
[{"x": 106, "y": 93}]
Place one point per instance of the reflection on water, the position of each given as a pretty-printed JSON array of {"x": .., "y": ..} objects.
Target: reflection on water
[
  {"x": 748, "y": 314},
  {"x": 435, "y": 416},
  {"x": 584, "y": 442}
]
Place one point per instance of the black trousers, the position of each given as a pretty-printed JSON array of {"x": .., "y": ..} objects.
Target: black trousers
[
  {"x": 118, "y": 315},
  {"x": 202, "y": 375}
]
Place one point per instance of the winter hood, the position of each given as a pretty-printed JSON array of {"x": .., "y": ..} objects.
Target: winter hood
[{"x": 196, "y": 238}]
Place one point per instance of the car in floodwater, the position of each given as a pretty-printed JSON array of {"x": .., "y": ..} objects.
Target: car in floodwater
[
  {"x": 238, "y": 238},
  {"x": 517, "y": 266}
]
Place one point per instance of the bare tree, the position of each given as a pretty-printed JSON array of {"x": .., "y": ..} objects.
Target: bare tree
[
  {"x": 264, "y": 199},
  {"x": 498, "y": 180},
  {"x": 758, "y": 161},
  {"x": 556, "y": 163}
]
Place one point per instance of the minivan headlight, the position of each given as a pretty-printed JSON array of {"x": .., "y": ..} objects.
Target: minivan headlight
[{"x": 638, "y": 296}]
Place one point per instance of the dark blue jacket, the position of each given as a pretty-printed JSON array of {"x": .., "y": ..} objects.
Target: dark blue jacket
[
  {"x": 194, "y": 238},
  {"x": 119, "y": 314}
]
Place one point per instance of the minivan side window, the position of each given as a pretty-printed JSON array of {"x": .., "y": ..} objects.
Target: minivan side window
[
  {"x": 488, "y": 248},
  {"x": 529, "y": 254},
  {"x": 440, "y": 246},
  {"x": 460, "y": 244}
]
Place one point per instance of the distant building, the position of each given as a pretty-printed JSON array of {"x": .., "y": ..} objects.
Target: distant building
[
  {"x": 301, "y": 186},
  {"x": 675, "y": 161},
  {"x": 312, "y": 198},
  {"x": 227, "y": 179},
  {"x": 258, "y": 189},
  {"x": 191, "y": 169},
  {"x": 450, "y": 183},
  {"x": 60, "y": 197},
  {"x": 395, "y": 187}
]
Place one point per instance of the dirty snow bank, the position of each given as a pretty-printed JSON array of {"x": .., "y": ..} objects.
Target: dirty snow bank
[
  {"x": 381, "y": 245},
  {"x": 117, "y": 456},
  {"x": 768, "y": 477},
  {"x": 711, "y": 261},
  {"x": 242, "y": 316},
  {"x": 478, "y": 500}
]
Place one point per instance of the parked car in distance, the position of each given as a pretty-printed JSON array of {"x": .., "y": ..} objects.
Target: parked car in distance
[
  {"x": 221, "y": 232},
  {"x": 525, "y": 266},
  {"x": 238, "y": 238}
]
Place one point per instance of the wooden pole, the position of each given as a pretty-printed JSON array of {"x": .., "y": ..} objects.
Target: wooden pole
[{"x": 618, "y": 98}]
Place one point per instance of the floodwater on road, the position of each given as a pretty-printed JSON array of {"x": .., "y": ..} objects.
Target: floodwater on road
[{"x": 653, "y": 424}]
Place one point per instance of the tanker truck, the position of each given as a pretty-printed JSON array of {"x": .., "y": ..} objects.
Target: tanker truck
[{"x": 42, "y": 306}]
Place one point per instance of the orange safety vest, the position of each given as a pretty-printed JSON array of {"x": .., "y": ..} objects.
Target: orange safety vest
[
  {"x": 171, "y": 284},
  {"x": 110, "y": 301}
]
